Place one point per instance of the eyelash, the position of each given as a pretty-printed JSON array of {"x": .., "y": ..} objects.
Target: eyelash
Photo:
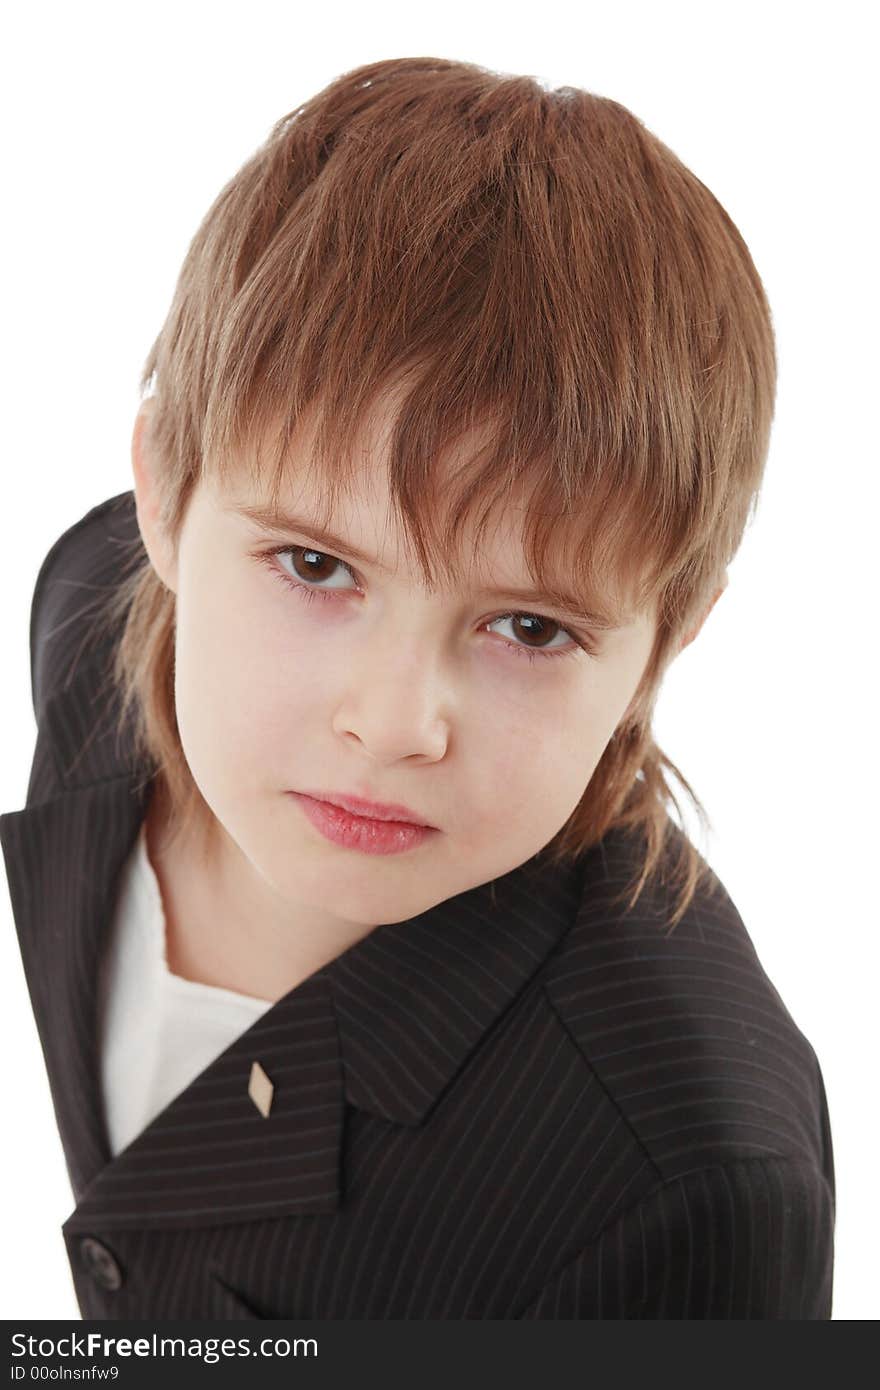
[{"x": 309, "y": 593}]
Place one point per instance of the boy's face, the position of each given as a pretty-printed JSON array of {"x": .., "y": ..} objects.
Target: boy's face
[{"x": 379, "y": 690}]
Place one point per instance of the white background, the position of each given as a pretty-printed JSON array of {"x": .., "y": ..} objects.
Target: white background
[{"x": 121, "y": 123}]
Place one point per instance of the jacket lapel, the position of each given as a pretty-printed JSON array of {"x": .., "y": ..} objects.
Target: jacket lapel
[
  {"x": 210, "y": 1155},
  {"x": 62, "y": 860},
  {"x": 414, "y": 999}
]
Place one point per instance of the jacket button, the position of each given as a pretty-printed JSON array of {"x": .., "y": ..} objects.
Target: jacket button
[{"x": 100, "y": 1263}]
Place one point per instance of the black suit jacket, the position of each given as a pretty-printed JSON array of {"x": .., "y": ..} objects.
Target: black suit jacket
[{"x": 520, "y": 1104}]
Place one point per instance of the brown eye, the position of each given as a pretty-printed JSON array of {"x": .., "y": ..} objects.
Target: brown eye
[
  {"x": 535, "y": 628},
  {"x": 533, "y": 633},
  {"x": 312, "y": 564},
  {"x": 311, "y": 567}
]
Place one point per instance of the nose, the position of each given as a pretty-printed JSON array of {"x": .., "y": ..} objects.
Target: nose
[{"x": 396, "y": 705}]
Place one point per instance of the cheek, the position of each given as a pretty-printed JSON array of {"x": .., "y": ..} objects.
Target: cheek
[
  {"x": 230, "y": 686},
  {"x": 542, "y": 752}
]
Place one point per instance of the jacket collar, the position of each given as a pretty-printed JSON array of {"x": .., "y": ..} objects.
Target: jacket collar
[{"x": 385, "y": 1027}]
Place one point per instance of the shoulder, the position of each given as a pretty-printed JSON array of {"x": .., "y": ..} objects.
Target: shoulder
[
  {"x": 77, "y": 575},
  {"x": 749, "y": 1238},
  {"x": 685, "y": 1031}
]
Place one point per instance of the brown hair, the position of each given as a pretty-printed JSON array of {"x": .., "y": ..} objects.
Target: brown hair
[{"x": 528, "y": 260}]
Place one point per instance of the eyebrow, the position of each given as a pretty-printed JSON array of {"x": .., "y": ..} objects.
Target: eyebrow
[{"x": 268, "y": 518}]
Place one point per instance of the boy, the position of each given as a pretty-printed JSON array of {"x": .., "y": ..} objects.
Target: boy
[{"x": 373, "y": 976}]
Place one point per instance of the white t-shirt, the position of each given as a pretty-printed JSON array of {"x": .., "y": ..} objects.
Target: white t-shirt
[{"x": 158, "y": 1030}]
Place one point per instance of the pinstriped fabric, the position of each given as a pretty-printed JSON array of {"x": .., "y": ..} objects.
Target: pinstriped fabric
[
  {"x": 670, "y": 1024},
  {"x": 462, "y": 1216},
  {"x": 88, "y": 559},
  {"x": 410, "y": 1012},
  {"x": 45, "y": 780},
  {"x": 211, "y": 1154},
  {"x": 742, "y": 1240},
  {"x": 61, "y": 909},
  {"x": 521, "y": 1103}
]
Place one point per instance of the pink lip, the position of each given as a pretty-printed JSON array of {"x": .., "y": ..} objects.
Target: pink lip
[
  {"x": 374, "y": 810},
  {"x": 369, "y": 835}
]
